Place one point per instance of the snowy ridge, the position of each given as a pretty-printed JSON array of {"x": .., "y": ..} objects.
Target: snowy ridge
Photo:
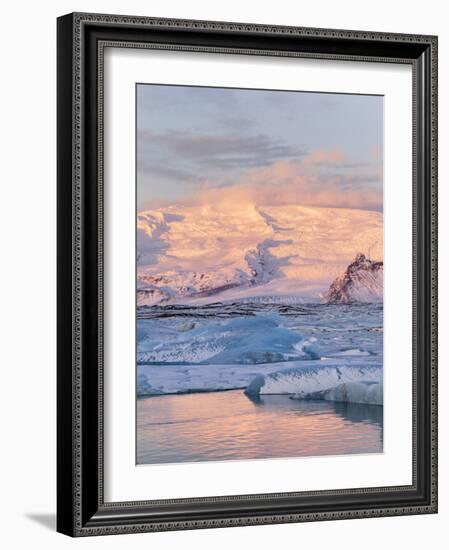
[
  {"x": 155, "y": 289},
  {"x": 362, "y": 281}
]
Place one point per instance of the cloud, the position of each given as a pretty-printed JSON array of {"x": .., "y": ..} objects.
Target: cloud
[
  {"x": 315, "y": 180},
  {"x": 167, "y": 171},
  {"x": 323, "y": 157},
  {"x": 209, "y": 151}
]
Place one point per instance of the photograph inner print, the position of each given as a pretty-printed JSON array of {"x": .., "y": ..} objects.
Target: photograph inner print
[{"x": 259, "y": 314}]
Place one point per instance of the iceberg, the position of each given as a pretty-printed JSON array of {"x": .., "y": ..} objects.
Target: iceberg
[
  {"x": 278, "y": 348},
  {"x": 368, "y": 393},
  {"x": 304, "y": 382},
  {"x": 179, "y": 379},
  {"x": 240, "y": 341},
  {"x": 145, "y": 388}
]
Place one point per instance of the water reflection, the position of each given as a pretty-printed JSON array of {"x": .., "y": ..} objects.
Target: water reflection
[
  {"x": 356, "y": 412},
  {"x": 229, "y": 426}
]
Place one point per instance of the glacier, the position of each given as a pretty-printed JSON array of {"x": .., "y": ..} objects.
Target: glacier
[{"x": 202, "y": 253}]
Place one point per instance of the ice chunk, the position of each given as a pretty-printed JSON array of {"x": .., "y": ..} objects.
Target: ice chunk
[
  {"x": 369, "y": 393},
  {"x": 245, "y": 340},
  {"x": 349, "y": 353},
  {"x": 302, "y": 381},
  {"x": 145, "y": 388},
  {"x": 185, "y": 327}
]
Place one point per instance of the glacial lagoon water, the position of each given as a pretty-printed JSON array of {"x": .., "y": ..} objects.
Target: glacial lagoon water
[
  {"x": 194, "y": 364},
  {"x": 229, "y": 426}
]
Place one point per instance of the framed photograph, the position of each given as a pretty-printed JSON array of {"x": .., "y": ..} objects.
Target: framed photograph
[{"x": 247, "y": 279}]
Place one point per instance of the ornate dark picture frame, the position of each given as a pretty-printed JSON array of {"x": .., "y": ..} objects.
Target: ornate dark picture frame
[{"x": 81, "y": 509}]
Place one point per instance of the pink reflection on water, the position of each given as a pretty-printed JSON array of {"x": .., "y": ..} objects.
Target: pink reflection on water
[{"x": 228, "y": 426}]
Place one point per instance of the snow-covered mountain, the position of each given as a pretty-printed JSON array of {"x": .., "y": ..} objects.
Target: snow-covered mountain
[
  {"x": 362, "y": 281},
  {"x": 208, "y": 253}
]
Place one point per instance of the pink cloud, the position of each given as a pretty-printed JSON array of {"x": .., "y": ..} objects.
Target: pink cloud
[
  {"x": 324, "y": 157},
  {"x": 318, "y": 179}
]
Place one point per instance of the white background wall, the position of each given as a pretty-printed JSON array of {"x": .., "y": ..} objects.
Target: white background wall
[{"x": 28, "y": 304}]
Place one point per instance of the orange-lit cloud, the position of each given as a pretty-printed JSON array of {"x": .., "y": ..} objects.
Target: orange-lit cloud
[{"x": 321, "y": 178}]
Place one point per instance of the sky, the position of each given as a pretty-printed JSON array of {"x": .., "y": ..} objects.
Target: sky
[{"x": 221, "y": 145}]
